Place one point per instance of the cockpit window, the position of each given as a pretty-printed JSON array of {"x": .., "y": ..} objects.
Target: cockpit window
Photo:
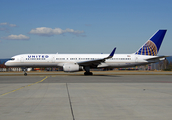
[{"x": 12, "y": 59}]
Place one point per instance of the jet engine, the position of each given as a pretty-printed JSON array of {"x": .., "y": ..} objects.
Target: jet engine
[{"x": 71, "y": 67}]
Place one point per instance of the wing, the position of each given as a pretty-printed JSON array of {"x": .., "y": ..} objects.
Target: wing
[{"x": 94, "y": 63}]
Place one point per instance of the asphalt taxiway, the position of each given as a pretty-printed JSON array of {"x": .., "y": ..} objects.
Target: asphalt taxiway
[
  {"x": 98, "y": 73},
  {"x": 98, "y": 97}
]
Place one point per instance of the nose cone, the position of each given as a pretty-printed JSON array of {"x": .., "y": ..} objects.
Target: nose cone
[{"x": 7, "y": 63}]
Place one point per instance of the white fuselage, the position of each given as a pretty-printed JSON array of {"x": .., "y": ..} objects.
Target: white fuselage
[{"x": 58, "y": 60}]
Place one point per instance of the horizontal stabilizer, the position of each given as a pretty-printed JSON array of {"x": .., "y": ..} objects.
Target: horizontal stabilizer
[{"x": 158, "y": 57}]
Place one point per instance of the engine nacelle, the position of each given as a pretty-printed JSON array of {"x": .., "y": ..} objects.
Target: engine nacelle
[{"x": 69, "y": 67}]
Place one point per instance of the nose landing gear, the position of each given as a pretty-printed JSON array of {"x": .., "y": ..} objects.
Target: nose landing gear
[{"x": 24, "y": 70}]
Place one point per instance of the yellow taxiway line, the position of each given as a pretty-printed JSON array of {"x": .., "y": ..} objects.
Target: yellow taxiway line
[{"x": 24, "y": 86}]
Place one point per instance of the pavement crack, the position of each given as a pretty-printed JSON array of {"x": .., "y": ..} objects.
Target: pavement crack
[{"x": 70, "y": 102}]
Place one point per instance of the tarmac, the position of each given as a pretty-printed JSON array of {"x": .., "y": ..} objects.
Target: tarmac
[
  {"x": 38, "y": 73},
  {"x": 103, "y": 96}
]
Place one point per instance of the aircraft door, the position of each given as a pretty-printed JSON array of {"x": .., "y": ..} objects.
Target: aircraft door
[
  {"x": 136, "y": 58},
  {"x": 53, "y": 59}
]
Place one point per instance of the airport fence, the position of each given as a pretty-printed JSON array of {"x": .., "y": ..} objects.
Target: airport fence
[{"x": 10, "y": 69}]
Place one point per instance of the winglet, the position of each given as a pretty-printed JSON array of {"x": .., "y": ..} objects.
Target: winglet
[{"x": 112, "y": 53}]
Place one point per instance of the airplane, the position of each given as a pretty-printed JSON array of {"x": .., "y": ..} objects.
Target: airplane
[{"x": 77, "y": 62}]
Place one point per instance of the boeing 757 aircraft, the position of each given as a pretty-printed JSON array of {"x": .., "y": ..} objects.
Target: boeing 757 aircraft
[{"x": 76, "y": 62}]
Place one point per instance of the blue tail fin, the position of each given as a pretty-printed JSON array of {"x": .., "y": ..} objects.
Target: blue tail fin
[{"x": 152, "y": 46}]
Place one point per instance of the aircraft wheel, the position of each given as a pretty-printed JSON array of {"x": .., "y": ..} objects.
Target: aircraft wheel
[
  {"x": 88, "y": 73},
  {"x": 25, "y": 74}
]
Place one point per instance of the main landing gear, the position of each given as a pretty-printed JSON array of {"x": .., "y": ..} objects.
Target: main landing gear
[{"x": 87, "y": 71}]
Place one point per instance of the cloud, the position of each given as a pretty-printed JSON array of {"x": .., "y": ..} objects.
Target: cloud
[
  {"x": 44, "y": 31},
  {"x": 3, "y": 29},
  {"x": 12, "y": 25},
  {"x": 7, "y": 24},
  {"x": 3, "y": 23},
  {"x": 16, "y": 37}
]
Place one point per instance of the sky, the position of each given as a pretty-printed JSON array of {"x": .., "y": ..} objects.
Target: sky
[{"x": 82, "y": 26}]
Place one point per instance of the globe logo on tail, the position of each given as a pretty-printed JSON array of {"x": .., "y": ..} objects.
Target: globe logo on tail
[{"x": 149, "y": 48}]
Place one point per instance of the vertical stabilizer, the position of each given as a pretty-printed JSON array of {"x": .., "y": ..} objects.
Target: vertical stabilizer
[{"x": 152, "y": 46}]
